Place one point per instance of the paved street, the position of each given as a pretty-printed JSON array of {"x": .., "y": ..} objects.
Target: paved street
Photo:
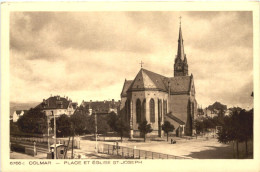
[{"x": 200, "y": 148}]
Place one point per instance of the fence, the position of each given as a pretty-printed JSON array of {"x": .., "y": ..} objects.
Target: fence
[
  {"x": 130, "y": 153},
  {"x": 44, "y": 141}
]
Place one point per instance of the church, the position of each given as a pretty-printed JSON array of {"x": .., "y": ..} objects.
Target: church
[{"x": 157, "y": 98}]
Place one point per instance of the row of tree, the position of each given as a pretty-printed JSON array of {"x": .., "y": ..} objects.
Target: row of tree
[
  {"x": 238, "y": 127},
  {"x": 35, "y": 122},
  {"x": 203, "y": 125}
]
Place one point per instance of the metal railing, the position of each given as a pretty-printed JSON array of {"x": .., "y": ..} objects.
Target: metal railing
[
  {"x": 43, "y": 141},
  {"x": 130, "y": 153}
]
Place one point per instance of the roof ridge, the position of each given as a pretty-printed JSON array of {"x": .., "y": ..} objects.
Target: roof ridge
[{"x": 155, "y": 73}]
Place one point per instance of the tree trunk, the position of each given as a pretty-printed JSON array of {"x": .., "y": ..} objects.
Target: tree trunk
[
  {"x": 167, "y": 136},
  {"x": 121, "y": 137},
  {"x": 144, "y": 137},
  {"x": 237, "y": 150},
  {"x": 246, "y": 149},
  {"x": 233, "y": 143}
]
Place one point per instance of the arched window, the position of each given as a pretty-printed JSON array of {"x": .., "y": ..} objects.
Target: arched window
[
  {"x": 192, "y": 109},
  {"x": 159, "y": 110},
  {"x": 138, "y": 111},
  {"x": 126, "y": 111},
  {"x": 143, "y": 118},
  {"x": 152, "y": 111},
  {"x": 164, "y": 107}
]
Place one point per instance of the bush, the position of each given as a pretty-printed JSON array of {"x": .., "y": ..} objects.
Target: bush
[{"x": 17, "y": 148}]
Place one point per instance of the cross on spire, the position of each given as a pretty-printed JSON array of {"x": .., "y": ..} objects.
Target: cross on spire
[
  {"x": 180, "y": 20},
  {"x": 141, "y": 64}
]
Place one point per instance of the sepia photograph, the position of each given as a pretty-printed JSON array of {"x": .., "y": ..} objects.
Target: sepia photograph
[{"x": 131, "y": 84}]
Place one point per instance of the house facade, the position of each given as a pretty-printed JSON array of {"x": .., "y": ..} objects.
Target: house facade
[{"x": 57, "y": 105}]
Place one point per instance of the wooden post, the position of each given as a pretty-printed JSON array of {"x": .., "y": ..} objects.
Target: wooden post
[
  {"x": 48, "y": 140},
  {"x": 55, "y": 151},
  {"x": 72, "y": 145},
  {"x": 96, "y": 130}
]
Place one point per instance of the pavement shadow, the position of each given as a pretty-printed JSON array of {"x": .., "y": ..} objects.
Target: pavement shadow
[{"x": 214, "y": 153}]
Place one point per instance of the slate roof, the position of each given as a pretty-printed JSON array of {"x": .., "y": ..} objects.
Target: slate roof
[
  {"x": 101, "y": 106},
  {"x": 74, "y": 105},
  {"x": 180, "y": 84},
  {"x": 146, "y": 79},
  {"x": 125, "y": 87},
  {"x": 55, "y": 102},
  {"x": 171, "y": 116}
]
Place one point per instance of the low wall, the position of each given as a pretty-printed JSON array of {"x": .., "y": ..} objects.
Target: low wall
[{"x": 30, "y": 151}]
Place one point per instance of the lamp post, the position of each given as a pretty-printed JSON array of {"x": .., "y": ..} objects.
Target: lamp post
[
  {"x": 48, "y": 121},
  {"x": 54, "y": 135},
  {"x": 96, "y": 130}
]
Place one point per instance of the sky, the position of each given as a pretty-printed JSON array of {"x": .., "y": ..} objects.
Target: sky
[{"x": 88, "y": 55}]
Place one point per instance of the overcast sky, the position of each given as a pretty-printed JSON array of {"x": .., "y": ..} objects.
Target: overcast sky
[{"x": 88, "y": 55}]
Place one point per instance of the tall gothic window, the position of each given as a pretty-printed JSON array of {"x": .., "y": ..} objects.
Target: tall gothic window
[
  {"x": 192, "y": 109},
  {"x": 126, "y": 108},
  {"x": 164, "y": 107},
  {"x": 143, "y": 110},
  {"x": 159, "y": 110},
  {"x": 152, "y": 111},
  {"x": 138, "y": 111}
]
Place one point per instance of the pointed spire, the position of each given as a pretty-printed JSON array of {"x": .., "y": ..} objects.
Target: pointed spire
[{"x": 180, "y": 44}]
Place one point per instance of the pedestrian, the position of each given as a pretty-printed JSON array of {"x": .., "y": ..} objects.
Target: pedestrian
[{"x": 52, "y": 153}]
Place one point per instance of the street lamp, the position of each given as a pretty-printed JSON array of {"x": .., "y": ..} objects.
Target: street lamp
[
  {"x": 54, "y": 135},
  {"x": 96, "y": 129},
  {"x": 48, "y": 121}
]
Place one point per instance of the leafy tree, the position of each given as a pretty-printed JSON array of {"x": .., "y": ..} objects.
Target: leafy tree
[
  {"x": 198, "y": 126},
  {"x": 112, "y": 120},
  {"x": 13, "y": 128},
  {"x": 80, "y": 123},
  {"x": 145, "y": 128},
  {"x": 63, "y": 125},
  {"x": 117, "y": 124},
  {"x": 102, "y": 126},
  {"x": 34, "y": 121},
  {"x": 121, "y": 127},
  {"x": 238, "y": 127},
  {"x": 167, "y": 127},
  {"x": 246, "y": 127}
]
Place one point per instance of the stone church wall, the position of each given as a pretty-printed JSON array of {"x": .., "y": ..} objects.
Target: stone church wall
[
  {"x": 148, "y": 95},
  {"x": 178, "y": 106}
]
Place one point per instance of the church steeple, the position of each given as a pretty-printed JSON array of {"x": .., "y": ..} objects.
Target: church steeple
[
  {"x": 181, "y": 64},
  {"x": 180, "y": 53}
]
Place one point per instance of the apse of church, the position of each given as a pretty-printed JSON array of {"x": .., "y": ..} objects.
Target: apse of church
[{"x": 156, "y": 98}]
